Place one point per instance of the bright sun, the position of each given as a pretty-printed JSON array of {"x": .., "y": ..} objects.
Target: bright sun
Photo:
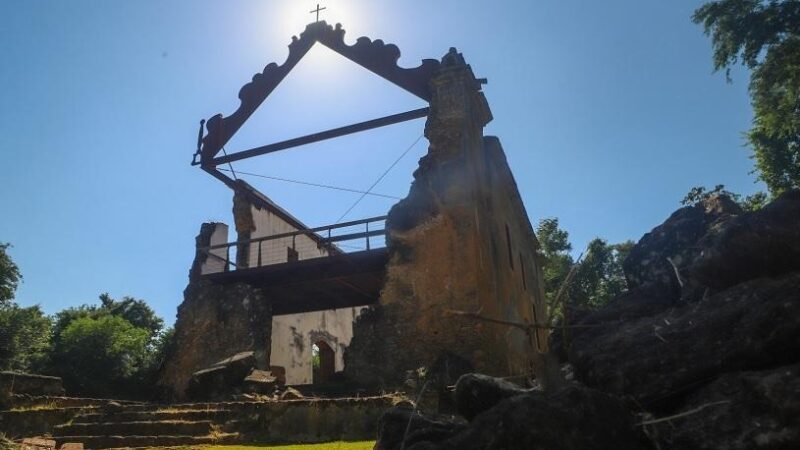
[{"x": 295, "y": 15}]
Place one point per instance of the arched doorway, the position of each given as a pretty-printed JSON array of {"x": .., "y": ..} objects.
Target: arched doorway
[{"x": 323, "y": 361}]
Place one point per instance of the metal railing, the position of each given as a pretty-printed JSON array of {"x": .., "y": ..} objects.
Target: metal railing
[{"x": 320, "y": 242}]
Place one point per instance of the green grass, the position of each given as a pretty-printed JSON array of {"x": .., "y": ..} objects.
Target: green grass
[{"x": 363, "y": 445}]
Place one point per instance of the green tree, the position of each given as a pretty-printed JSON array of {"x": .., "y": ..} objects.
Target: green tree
[
  {"x": 132, "y": 372},
  {"x": 555, "y": 247},
  {"x": 9, "y": 275},
  {"x": 597, "y": 280},
  {"x": 700, "y": 194},
  {"x": 101, "y": 356},
  {"x": 24, "y": 338},
  {"x": 600, "y": 278},
  {"x": 764, "y": 36},
  {"x": 135, "y": 311}
]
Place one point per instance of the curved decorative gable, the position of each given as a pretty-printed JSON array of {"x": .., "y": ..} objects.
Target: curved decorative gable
[{"x": 376, "y": 56}]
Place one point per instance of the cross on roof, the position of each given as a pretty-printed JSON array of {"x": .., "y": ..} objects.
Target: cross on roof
[{"x": 317, "y": 11}]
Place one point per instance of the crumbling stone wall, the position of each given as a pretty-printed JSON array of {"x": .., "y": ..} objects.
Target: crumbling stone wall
[
  {"x": 214, "y": 322},
  {"x": 461, "y": 240}
]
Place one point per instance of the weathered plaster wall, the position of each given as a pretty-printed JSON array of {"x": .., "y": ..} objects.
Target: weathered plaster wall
[
  {"x": 449, "y": 250},
  {"x": 256, "y": 216},
  {"x": 293, "y": 335},
  {"x": 274, "y": 251}
]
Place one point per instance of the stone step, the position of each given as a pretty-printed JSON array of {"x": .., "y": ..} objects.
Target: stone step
[
  {"x": 117, "y": 442},
  {"x": 52, "y": 402},
  {"x": 190, "y": 428},
  {"x": 158, "y": 415}
]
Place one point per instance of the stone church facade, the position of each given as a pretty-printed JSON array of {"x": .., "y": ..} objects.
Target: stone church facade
[{"x": 460, "y": 241}]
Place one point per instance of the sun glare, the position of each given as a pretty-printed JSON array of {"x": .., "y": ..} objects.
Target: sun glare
[{"x": 293, "y": 16}]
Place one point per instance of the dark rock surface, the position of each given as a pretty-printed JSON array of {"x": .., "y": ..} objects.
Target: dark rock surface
[
  {"x": 753, "y": 325},
  {"x": 222, "y": 379},
  {"x": 674, "y": 240},
  {"x": 443, "y": 375},
  {"x": 704, "y": 348},
  {"x": 751, "y": 245},
  {"x": 475, "y": 393},
  {"x": 402, "y": 421},
  {"x": 740, "y": 411},
  {"x": 643, "y": 301},
  {"x": 574, "y": 417}
]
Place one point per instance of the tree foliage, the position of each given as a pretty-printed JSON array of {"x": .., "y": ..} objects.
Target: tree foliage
[
  {"x": 111, "y": 349},
  {"x": 764, "y": 36},
  {"x": 101, "y": 356},
  {"x": 597, "y": 280},
  {"x": 24, "y": 338},
  {"x": 555, "y": 248},
  {"x": 9, "y": 275},
  {"x": 699, "y": 194},
  {"x": 600, "y": 278},
  {"x": 137, "y": 312}
]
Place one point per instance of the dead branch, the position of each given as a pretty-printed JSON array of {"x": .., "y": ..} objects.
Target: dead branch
[
  {"x": 563, "y": 288},
  {"x": 683, "y": 414},
  {"x": 521, "y": 325},
  {"x": 677, "y": 273}
]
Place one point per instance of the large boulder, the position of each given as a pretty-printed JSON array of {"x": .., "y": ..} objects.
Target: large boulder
[
  {"x": 443, "y": 374},
  {"x": 642, "y": 301},
  {"x": 762, "y": 243},
  {"x": 673, "y": 244},
  {"x": 231, "y": 376},
  {"x": 476, "y": 393},
  {"x": 750, "y": 326},
  {"x": 738, "y": 411},
  {"x": 403, "y": 427},
  {"x": 571, "y": 418}
]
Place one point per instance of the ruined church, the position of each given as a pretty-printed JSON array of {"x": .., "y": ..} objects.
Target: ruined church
[{"x": 307, "y": 309}]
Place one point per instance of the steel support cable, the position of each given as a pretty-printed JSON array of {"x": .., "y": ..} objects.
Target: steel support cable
[
  {"x": 229, "y": 164},
  {"x": 380, "y": 178},
  {"x": 308, "y": 183}
]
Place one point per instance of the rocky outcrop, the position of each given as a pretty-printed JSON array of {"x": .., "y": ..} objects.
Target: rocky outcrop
[
  {"x": 573, "y": 417},
  {"x": 753, "y": 325},
  {"x": 762, "y": 243},
  {"x": 475, "y": 393},
  {"x": 739, "y": 411},
  {"x": 703, "y": 352},
  {"x": 709, "y": 333},
  {"x": 674, "y": 243},
  {"x": 401, "y": 427}
]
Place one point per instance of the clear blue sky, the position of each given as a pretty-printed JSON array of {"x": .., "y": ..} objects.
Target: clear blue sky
[{"x": 608, "y": 111}]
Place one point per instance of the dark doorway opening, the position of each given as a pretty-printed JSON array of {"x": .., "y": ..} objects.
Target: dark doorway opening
[{"x": 323, "y": 361}]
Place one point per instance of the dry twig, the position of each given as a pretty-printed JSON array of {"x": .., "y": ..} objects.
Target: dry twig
[
  {"x": 683, "y": 414},
  {"x": 524, "y": 326},
  {"x": 557, "y": 300}
]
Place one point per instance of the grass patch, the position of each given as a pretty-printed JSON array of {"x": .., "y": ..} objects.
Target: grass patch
[
  {"x": 37, "y": 407},
  {"x": 363, "y": 445}
]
